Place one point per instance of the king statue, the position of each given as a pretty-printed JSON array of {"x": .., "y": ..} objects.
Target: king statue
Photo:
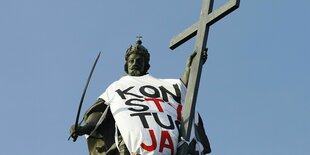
[{"x": 140, "y": 114}]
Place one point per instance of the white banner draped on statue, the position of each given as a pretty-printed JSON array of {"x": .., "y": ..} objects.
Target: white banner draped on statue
[{"x": 147, "y": 112}]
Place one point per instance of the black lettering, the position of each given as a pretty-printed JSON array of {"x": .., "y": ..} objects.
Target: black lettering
[
  {"x": 165, "y": 92},
  {"x": 171, "y": 126},
  {"x": 155, "y": 93},
  {"x": 125, "y": 92},
  {"x": 142, "y": 118},
  {"x": 130, "y": 103}
]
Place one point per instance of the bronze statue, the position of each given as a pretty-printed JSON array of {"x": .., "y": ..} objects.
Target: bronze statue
[{"x": 146, "y": 99}]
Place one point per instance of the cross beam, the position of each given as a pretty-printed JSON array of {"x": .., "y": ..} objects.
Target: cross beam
[
  {"x": 213, "y": 17},
  {"x": 201, "y": 29}
]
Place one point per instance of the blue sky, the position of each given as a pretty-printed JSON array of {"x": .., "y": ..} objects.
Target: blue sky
[{"x": 254, "y": 92}]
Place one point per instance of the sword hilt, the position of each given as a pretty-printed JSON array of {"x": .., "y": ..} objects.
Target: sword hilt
[{"x": 74, "y": 137}]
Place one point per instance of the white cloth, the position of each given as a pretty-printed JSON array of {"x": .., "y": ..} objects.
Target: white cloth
[{"x": 147, "y": 111}]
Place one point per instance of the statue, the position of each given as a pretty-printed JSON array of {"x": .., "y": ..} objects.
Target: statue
[{"x": 140, "y": 114}]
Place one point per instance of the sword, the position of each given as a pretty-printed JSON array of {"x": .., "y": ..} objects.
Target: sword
[{"x": 82, "y": 99}]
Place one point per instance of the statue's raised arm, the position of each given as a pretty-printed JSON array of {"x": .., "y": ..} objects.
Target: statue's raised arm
[{"x": 186, "y": 72}]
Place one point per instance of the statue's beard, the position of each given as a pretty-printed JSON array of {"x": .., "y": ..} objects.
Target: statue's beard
[{"x": 136, "y": 73}]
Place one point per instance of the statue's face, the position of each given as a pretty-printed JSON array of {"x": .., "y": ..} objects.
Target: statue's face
[{"x": 136, "y": 65}]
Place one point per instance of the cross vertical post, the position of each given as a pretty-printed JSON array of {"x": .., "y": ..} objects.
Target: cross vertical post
[{"x": 201, "y": 29}]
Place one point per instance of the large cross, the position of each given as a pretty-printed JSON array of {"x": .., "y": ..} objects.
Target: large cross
[{"x": 201, "y": 29}]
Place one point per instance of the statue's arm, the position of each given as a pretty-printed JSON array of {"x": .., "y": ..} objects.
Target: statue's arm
[
  {"x": 89, "y": 124},
  {"x": 98, "y": 106},
  {"x": 185, "y": 76},
  {"x": 91, "y": 117},
  {"x": 186, "y": 73}
]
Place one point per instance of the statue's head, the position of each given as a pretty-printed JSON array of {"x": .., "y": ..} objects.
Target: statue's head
[{"x": 137, "y": 59}]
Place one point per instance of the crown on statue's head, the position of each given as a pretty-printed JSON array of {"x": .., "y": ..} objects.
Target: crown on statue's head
[{"x": 138, "y": 48}]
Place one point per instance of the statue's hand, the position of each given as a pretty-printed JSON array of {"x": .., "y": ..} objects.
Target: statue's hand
[
  {"x": 74, "y": 133},
  {"x": 185, "y": 76},
  {"x": 204, "y": 57}
]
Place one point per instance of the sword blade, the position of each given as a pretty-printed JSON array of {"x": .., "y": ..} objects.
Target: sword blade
[{"x": 82, "y": 97}]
